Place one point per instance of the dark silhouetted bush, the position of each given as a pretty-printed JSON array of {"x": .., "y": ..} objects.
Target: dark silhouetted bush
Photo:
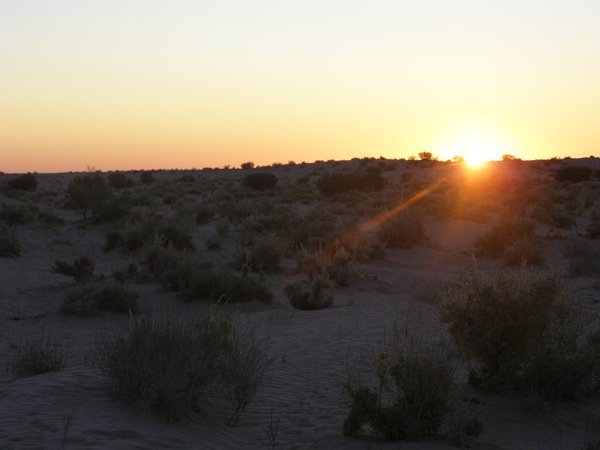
[
  {"x": 310, "y": 294},
  {"x": 172, "y": 367},
  {"x": 260, "y": 181},
  {"x": 412, "y": 398},
  {"x": 523, "y": 333},
  {"x": 402, "y": 231},
  {"x": 26, "y": 182},
  {"x": 120, "y": 181},
  {"x": 147, "y": 177},
  {"x": 36, "y": 357},
  {"x": 574, "y": 174},
  {"x": 337, "y": 183},
  {"x": 87, "y": 192},
  {"x": 263, "y": 254},
  {"x": 247, "y": 165},
  {"x": 501, "y": 236},
  {"x": 117, "y": 299},
  {"x": 10, "y": 246},
  {"x": 81, "y": 269},
  {"x": 18, "y": 214}
]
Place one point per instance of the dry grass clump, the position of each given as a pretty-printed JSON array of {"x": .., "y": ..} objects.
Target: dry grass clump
[
  {"x": 335, "y": 262},
  {"x": 26, "y": 182},
  {"x": 412, "y": 396},
  {"x": 173, "y": 367},
  {"x": 85, "y": 301},
  {"x": 310, "y": 294},
  {"x": 81, "y": 269},
  {"x": 35, "y": 357},
  {"x": 10, "y": 245},
  {"x": 501, "y": 236},
  {"x": 522, "y": 331},
  {"x": 528, "y": 252},
  {"x": 260, "y": 254},
  {"x": 403, "y": 231}
]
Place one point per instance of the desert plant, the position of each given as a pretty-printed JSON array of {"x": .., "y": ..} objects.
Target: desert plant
[
  {"x": 585, "y": 258},
  {"x": 334, "y": 261},
  {"x": 10, "y": 245},
  {"x": 116, "y": 299},
  {"x": 310, "y": 294},
  {"x": 37, "y": 356},
  {"x": 402, "y": 230},
  {"x": 574, "y": 174},
  {"x": 18, "y": 214},
  {"x": 247, "y": 165},
  {"x": 147, "y": 177},
  {"x": 524, "y": 252},
  {"x": 26, "y": 182},
  {"x": 414, "y": 397},
  {"x": 338, "y": 183},
  {"x": 81, "y": 269},
  {"x": 263, "y": 254},
  {"x": 260, "y": 181},
  {"x": 523, "y": 333},
  {"x": 118, "y": 180},
  {"x": 87, "y": 192},
  {"x": 495, "y": 241},
  {"x": 173, "y": 367}
]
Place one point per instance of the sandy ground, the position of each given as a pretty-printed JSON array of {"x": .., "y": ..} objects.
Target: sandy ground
[{"x": 310, "y": 349}]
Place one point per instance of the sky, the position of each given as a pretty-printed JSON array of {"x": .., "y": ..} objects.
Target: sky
[{"x": 178, "y": 84}]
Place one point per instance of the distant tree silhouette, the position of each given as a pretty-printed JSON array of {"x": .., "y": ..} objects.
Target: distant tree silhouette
[
  {"x": 426, "y": 156},
  {"x": 88, "y": 191},
  {"x": 247, "y": 165}
]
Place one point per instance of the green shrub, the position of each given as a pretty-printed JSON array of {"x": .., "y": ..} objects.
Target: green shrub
[
  {"x": 402, "y": 231},
  {"x": 10, "y": 246},
  {"x": 118, "y": 180},
  {"x": 260, "y": 181},
  {"x": 523, "y": 333},
  {"x": 82, "y": 268},
  {"x": 87, "y": 192},
  {"x": 37, "y": 356},
  {"x": 494, "y": 242},
  {"x": 26, "y": 182},
  {"x": 310, "y": 294},
  {"x": 173, "y": 367},
  {"x": 413, "y": 396}
]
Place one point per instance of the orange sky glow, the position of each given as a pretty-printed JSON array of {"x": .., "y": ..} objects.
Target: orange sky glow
[{"x": 132, "y": 84}]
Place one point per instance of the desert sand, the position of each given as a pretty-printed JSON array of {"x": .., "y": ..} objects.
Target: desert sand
[{"x": 310, "y": 350}]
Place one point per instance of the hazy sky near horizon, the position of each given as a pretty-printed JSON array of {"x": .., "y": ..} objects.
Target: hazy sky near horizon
[{"x": 119, "y": 84}]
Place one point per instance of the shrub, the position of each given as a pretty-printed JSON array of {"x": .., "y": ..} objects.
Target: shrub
[
  {"x": 593, "y": 226},
  {"x": 85, "y": 301},
  {"x": 118, "y": 180},
  {"x": 172, "y": 367},
  {"x": 264, "y": 254},
  {"x": 10, "y": 246},
  {"x": 37, "y": 356},
  {"x": 147, "y": 177},
  {"x": 574, "y": 174},
  {"x": 260, "y": 181},
  {"x": 247, "y": 165},
  {"x": 310, "y": 294},
  {"x": 336, "y": 262},
  {"x": 26, "y": 182},
  {"x": 522, "y": 331},
  {"x": 414, "y": 397},
  {"x": 87, "y": 192},
  {"x": 116, "y": 299},
  {"x": 206, "y": 282},
  {"x": 585, "y": 258},
  {"x": 402, "y": 230},
  {"x": 494, "y": 242},
  {"x": 203, "y": 213},
  {"x": 81, "y": 269},
  {"x": 18, "y": 214},
  {"x": 524, "y": 252},
  {"x": 337, "y": 183}
]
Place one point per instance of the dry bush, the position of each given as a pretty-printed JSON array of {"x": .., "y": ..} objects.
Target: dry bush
[
  {"x": 334, "y": 261},
  {"x": 81, "y": 269},
  {"x": 584, "y": 258},
  {"x": 524, "y": 252},
  {"x": 37, "y": 356},
  {"x": 402, "y": 230},
  {"x": 88, "y": 192},
  {"x": 501, "y": 236},
  {"x": 310, "y": 294},
  {"x": 522, "y": 331},
  {"x": 173, "y": 367},
  {"x": 412, "y": 396},
  {"x": 119, "y": 180},
  {"x": 85, "y": 301},
  {"x": 260, "y": 254},
  {"x": 26, "y": 182},
  {"x": 18, "y": 214},
  {"x": 260, "y": 181},
  {"x": 10, "y": 245}
]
